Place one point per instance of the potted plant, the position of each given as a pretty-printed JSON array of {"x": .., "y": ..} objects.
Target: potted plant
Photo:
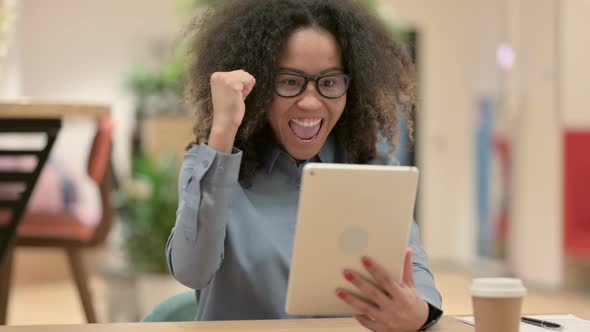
[
  {"x": 163, "y": 122},
  {"x": 147, "y": 205}
]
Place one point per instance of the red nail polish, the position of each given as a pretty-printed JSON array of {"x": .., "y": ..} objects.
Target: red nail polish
[
  {"x": 341, "y": 294},
  {"x": 349, "y": 276},
  {"x": 367, "y": 262}
]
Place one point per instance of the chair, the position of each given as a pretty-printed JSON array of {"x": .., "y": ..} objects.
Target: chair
[
  {"x": 178, "y": 308},
  {"x": 14, "y": 199},
  {"x": 64, "y": 231}
]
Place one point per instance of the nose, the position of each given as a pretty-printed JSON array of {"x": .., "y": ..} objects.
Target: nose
[{"x": 310, "y": 99}]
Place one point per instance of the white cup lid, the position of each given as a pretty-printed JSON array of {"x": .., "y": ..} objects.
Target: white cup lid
[{"x": 497, "y": 287}]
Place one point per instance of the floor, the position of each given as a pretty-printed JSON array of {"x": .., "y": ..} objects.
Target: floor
[{"x": 44, "y": 294}]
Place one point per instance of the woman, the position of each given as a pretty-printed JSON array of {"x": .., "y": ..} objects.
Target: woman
[{"x": 277, "y": 84}]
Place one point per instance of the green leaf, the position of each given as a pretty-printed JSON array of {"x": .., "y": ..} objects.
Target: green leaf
[{"x": 149, "y": 220}]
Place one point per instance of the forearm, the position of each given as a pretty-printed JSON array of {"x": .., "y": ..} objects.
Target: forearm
[{"x": 222, "y": 138}]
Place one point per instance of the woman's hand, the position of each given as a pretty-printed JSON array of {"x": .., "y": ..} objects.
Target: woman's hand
[
  {"x": 228, "y": 92},
  {"x": 390, "y": 306}
]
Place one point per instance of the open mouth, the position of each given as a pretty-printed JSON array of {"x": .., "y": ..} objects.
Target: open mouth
[{"x": 306, "y": 130}]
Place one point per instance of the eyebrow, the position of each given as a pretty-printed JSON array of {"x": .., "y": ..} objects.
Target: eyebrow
[{"x": 325, "y": 71}]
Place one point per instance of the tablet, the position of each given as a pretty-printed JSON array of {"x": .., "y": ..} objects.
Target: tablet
[{"x": 345, "y": 212}]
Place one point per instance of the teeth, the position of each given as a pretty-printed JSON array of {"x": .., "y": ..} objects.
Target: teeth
[{"x": 307, "y": 123}]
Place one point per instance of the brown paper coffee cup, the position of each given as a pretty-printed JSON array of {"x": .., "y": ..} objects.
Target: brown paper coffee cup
[{"x": 497, "y": 304}]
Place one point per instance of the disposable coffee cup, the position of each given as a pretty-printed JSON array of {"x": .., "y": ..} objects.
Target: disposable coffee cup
[{"x": 497, "y": 304}]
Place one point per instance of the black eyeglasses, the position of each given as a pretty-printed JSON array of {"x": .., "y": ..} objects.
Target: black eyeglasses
[{"x": 332, "y": 86}]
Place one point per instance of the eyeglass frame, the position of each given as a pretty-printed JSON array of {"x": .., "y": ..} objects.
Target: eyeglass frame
[{"x": 316, "y": 80}]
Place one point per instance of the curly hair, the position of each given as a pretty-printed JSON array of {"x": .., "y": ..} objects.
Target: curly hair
[{"x": 250, "y": 35}]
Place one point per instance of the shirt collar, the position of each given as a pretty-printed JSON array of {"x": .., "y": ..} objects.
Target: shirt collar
[
  {"x": 327, "y": 154},
  {"x": 272, "y": 158}
]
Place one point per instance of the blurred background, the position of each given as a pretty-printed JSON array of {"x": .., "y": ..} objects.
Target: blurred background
[{"x": 502, "y": 143}]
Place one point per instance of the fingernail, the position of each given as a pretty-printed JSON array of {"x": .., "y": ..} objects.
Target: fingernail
[
  {"x": 367, "y": 262},
  {"x": 341, "y": 294},
  {"x": 349, "y": 276}
]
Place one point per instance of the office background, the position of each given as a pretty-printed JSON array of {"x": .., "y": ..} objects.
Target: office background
[{"x": 502, "y": 140}]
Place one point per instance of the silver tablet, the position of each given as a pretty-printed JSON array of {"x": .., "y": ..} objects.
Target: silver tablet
[{"x": 345, "y": 212}]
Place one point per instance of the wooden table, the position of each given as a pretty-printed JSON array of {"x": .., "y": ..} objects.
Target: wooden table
[
  {"x": 447, "y": 324},
  {"x": 24, "y": 117},
  {"x": 41, "y": 110}
]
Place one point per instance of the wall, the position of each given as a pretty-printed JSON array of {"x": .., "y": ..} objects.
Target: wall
[
  {"x": 536, "y": 214},
  {"x": 575, "y": 69},
  {"x": 542, "y": 96},
  {"x": 81, "y": 51},
  {"x": 10, "y": 82},
  {"x": 547, "y": 96},
  {"x": 449, "y": 85}
]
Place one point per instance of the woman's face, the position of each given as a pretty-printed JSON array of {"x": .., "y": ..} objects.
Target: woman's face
[{"x": 301, "y": 124}]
